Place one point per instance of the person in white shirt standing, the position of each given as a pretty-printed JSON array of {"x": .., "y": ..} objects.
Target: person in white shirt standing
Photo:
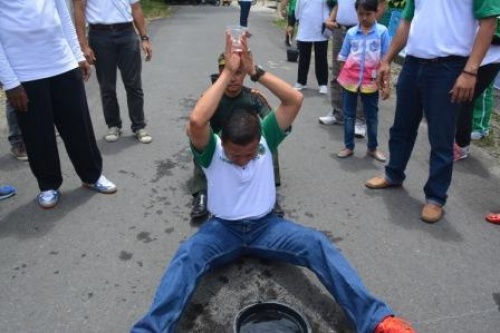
[
  {"x": 311, "y": 14},
  {"x": 42, "y": 69},
  {"x": 113, "y": 43}
]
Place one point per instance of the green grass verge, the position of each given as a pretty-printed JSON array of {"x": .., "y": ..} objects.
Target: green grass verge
[{"x": 155, "y": 9}]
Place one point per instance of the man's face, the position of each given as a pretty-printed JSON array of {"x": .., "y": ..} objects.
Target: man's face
[
  {"x": 241, "y": 155},
  {"x": 236, "y": 82}
]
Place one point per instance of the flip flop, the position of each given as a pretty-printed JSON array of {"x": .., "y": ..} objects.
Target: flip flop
[{"x": 493, "y": 218}]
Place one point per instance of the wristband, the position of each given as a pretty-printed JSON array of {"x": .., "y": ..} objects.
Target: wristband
[{"x": 470, "y": 73}]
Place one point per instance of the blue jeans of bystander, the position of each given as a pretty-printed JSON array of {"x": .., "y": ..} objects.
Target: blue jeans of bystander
[
  {"x": 423, "y": 88},
  {"x": 370, "y": 109}
]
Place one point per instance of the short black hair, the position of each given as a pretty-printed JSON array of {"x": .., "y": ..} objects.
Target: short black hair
[
  {"x": 368, "y": 5},
  {"x": 241, "y": 127}
]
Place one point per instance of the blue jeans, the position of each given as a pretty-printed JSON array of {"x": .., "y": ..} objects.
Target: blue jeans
[
  {"x": 219, "y": 242},
  {"x": 15, "y": 136},
  {"x": 370, "y": 109},
  {"x": 423, "y": 88},
  {"x": 119, "y": 49},
  {"x": 244, "y": 12}
]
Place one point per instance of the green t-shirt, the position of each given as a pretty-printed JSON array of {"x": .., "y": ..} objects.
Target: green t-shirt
[{"x": 290, "y": 8}]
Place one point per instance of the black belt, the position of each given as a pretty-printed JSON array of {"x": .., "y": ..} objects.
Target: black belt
[
  {"x": 112, "y": 27},
  {"x": 436, "y": 60}
]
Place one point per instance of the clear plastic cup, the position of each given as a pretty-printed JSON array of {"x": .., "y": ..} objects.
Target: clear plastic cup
[{"x": 236, "y": 32}]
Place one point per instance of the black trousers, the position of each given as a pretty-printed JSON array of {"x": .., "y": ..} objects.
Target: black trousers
[
  {"x": 61, "y": 101},
  {"x": 485, "y": 75},
  {"x": 320, "y": 61}
]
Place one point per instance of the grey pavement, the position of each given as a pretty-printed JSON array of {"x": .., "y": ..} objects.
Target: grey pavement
[{"x": 92, "y": 264}]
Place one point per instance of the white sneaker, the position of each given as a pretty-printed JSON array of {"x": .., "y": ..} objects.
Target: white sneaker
[
  {"x": 359, "y": 129},
  {"x": 299, "y": 86},
  {"x": 113, "y": 134},
  {"x": 478, "y": 135},
  {"x": 102, "y": 185},
  {"x": 329, "y": 119},
  {"x": 143, "y": 136},
  {"x": 323, "y": 90},
  {"x": 48, "y": 199}
]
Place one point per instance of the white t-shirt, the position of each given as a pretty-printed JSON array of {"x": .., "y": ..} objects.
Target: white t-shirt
[
  {"x": 37, "y": 41},
  {"x": 109, "y": 11},
  {"x": 311, "y": 14},
  {"x": 237, "y": 193},
  {"x": 441, "y": 28},
  {"x": 492, "y": 56},
  {"x": 346, "y": 12}
]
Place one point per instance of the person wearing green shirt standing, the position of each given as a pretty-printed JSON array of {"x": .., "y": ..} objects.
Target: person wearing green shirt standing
[
  {"x": 288, "y": 12},
  {"x": 440, "y": 71}
]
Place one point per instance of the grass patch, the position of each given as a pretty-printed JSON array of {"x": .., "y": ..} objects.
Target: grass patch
[
  {"x": 153, "y": 9},
  {"x": 280, "y": 23}
]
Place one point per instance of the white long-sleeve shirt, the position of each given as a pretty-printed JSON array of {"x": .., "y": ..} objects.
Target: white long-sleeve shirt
[
  {"x": 311, "y": 14},
  {"x": 37, "y": 40}
]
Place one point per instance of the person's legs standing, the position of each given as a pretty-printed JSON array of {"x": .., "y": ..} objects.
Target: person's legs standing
[
  {"x": 283, "y": 240},
  {"x": 72, "y": 119},
  {"x": 370, "y": 107},
  {"x": 37, "y": 126},
  {"x": 350, "y": 101},
  {"x": 435, "y": 83},
  {"x": 408, "y": 115},
  {"x": 244, "y": 12},
  {"x": 485, "y": 75},
  {"x": 212, "y": 246},
  {"x": 304, "y": 62},
  {"x": 17, "y": 148},
  {"x": 321, "y": 65},
  {"x": 106, "y": 52},
  {"x": 130, "y": 64}
]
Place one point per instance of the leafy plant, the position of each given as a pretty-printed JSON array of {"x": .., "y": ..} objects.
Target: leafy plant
[{"x": 397, "y": 4}]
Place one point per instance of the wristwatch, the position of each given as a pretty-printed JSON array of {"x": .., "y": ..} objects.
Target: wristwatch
[
  {"x": 258, "y": 74},
  {"x": 144, "y": 37}
]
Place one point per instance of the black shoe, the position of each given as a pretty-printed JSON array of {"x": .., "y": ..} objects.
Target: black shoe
[
  {"x": 199, "y": 205},
  {"x": 278, "y": 210}
]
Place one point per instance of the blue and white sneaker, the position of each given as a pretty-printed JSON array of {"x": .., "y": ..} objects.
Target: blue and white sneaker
[
  {"x": 102, "y": 185},
  {"x": 6, "y": 191},
  {"x": 48, "y": 199}
]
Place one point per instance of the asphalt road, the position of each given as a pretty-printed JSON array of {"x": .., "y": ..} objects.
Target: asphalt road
[{"x": 92, "y": 264}]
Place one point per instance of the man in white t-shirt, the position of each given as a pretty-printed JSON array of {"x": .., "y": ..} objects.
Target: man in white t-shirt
[
  {"x": 42, "y": 69},
  {"x": 113, "y": 44},
  {"x": 443, "y": 54},
  {"x": 241, "y": 194}
]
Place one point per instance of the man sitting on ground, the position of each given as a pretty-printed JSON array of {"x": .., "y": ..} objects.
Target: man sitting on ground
[{"x": 241, "y": 195}]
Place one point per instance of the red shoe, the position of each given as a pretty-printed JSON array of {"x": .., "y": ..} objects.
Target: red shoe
[
  {"x": 394, "y": 325},
  {"x": 493, "y": 218}
]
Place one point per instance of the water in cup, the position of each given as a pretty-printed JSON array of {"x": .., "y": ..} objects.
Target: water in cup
[{"x": 236, "y": 32}]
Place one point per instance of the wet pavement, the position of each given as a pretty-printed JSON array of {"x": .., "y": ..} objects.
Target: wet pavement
[{"x": 92, "y": 264}]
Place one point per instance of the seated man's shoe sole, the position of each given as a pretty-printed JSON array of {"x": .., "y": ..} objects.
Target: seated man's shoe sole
[
  {"x": 380, "y": 182},
  {"x": 431, "y": 213}
]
